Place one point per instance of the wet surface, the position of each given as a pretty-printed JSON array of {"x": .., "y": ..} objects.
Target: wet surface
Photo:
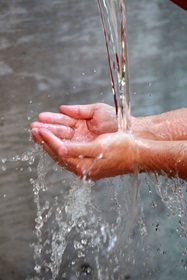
[{"x": 53, "y": 53}]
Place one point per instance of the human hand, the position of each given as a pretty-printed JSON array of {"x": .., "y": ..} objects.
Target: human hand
[
  {"x": 107, "y": 156},
  {"x": 93, "y": 126},
  {"x": 82, "y": 139},
  {"x": 79, "y": 122},
  {"x": 85, "y": 123}
]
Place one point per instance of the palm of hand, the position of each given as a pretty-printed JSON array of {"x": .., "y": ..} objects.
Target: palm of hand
[
  {"x": 108, "y": 155},
  {"x": 102, "y": 121},
  {"x": 93, "y": 146},
  {"x": 79, "y": 123},
  {"x": 83, "y": 133}
]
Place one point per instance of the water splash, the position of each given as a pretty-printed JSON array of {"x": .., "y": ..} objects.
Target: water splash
[
  {"x": 57, "y": 221},
  {"x": 172, "y": 192},
  {"x": 75, "y": 217}
]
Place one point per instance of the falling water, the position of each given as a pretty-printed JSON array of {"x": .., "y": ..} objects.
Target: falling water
[
  {"x": 107, "y": 243},
  {"x": 78, "y": 225},
  {"x": 113, "y": 17}
]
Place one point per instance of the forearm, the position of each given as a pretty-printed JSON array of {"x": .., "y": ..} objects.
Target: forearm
[
  {"x": 163, "y": 157},
  {"x": 171, "y": 125}
]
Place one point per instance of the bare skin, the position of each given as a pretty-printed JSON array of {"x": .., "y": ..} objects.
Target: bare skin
[{"x": 82, "y": 139}]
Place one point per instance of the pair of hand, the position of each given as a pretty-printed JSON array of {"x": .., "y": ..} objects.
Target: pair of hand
[{"x": 84, "y": 139}]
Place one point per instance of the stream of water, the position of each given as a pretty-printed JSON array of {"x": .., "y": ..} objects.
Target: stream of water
[
  {"x": 104, "y": 239},
  {"x": 113, "y": 17},
  {"x": 108, "y": 244}
]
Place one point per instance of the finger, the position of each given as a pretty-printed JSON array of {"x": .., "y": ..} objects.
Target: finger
[
  {"x": 45, "y": 146},
  {"x": 76, "y": 165},
  {"x": 79, "y": 166},
  {"x": 79, "y": 111},
  {"x": 61, "y": 131},
  {"x": 56, "y": 118},
  {"x": 35, "y": 135},
  {"x": 70, "y": 149},
  {"x": 83, "y": 167}
]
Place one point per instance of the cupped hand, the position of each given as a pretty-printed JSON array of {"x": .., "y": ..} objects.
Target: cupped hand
[
  {"x": 79, "y": 122},
  {"x": 84, "y": 140},
  {"x": 107, "y": 155}
]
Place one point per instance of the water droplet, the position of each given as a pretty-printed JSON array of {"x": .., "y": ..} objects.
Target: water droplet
[
  {"x": 3, "y": 160},
  {"x": 81, "y": 254},
  {"x": 31, "y": 160},
  {"x": 4, "y": 168},
  {"x": 149, "y": 84},
  {"x": 83, "y": 241},
  {"x": 59, "y": 211},
  {"x": 100, "y": 156},
  {"x": 25, "y": 157},
  {"x": 143, "y": 231},
  {"x": 37, "y": 268},
  {"x": 83, "y": 74},
  {"x": 55, "y": 167},
  {"x": 32, "y": 181},
  {"x": 81, "y": 224},
  {"x": 81, "y": 156},
  {"x": 78, "y": 245}
]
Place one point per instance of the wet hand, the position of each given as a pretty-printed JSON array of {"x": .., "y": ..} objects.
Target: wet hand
[
  {"x": 106, "y": 156},
  {"x": 79, "y": 122}
]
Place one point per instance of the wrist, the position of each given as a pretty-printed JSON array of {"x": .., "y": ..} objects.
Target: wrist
[
  {"x": 149, "y": 155},
  {"x": 158, "y": 157}
]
